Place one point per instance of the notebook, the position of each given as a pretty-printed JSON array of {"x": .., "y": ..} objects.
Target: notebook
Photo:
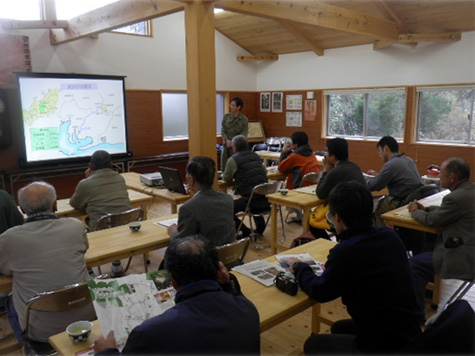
[{"x": 172, "y": 180}]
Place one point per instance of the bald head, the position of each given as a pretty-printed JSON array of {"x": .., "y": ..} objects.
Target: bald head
[
  {"x": 37, "y": 197},
  {"x": 452, "y": 171}
]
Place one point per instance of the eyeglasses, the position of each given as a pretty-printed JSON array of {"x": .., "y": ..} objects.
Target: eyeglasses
[{"x": 329, "y": 220}]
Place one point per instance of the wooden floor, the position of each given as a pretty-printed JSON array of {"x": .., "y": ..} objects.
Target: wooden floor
[{"x": 284, "y": 339}]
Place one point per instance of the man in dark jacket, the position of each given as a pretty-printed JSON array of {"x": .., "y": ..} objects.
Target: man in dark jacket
[
  {"x": 369, "y": 270},
  {"x": 246, "y": 170},
  {"x": 210, "y": 317}
]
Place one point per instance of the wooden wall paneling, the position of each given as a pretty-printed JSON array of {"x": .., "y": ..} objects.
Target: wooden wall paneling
[{"x": 144, "y": 125}]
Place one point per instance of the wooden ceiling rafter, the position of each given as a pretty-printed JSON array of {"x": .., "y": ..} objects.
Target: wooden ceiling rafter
[
  {"x": 258, "y": 57},
  {"x": 319, "y": 14},
  {"x": 302, "y": 36},
  {"x": 114, "y": 15}
]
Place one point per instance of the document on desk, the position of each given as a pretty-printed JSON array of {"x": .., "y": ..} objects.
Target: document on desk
[
  {"x": 123, "y": 303},
  {"x": 286, "y": 260},
  {"x": 308, "y": 189},
  {"x": 262, "y": 271},
  {"x": 167, "y": 222}
]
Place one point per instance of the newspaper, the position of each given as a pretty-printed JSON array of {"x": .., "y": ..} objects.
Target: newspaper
[
  {"x": 286, "y": 260},
  {"x": 261, "y": 271},
  {"x": 123, "y": 303},
  {"x": 167, "y": 222}
]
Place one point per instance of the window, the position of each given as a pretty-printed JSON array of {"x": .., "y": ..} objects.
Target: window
[
  {"x": 142, "y": 28},
  {"x": 175, "y": 115},
  {"x": 67, "y": 9},
  {"x": 445, "y": 114},
  {"x": 20, "y": 10},
  {"x": 366, "y": 113}
]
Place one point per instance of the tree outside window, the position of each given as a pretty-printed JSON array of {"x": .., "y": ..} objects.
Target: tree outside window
[
  {"x": 366, "y": 113},
  {"x": 446, "y": 115}
]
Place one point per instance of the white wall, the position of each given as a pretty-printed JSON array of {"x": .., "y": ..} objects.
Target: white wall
[
  {"x": 361, "y": 66},
  {"x": 159, "y": 62},
  {"x": 148, "y": 63}
]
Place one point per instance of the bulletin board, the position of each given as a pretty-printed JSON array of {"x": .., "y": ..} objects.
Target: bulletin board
[{"x": 255, "y": 132}]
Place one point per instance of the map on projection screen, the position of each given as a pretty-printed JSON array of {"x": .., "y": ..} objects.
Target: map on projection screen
[{"x": 68, "y": 116}]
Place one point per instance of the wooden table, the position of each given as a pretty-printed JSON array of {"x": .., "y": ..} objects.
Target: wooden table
[
  {"x": 401, "y": 216},
  {"x": 132, "y": 181},
  {"x": 275, "y": 156},
  {"x": 117, "y": 243},
  {"x": 304, "y": 199},
  {"x": 298, "y": 199},
  {"x": 273, "y": 305},
  {"x": 136, "y": 200}
]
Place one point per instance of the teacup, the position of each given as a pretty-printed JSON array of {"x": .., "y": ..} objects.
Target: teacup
[
  {"x": 79, "y": 331},
  {"x": 284, "y": 191},
  {"x": 135, "y": 225}
]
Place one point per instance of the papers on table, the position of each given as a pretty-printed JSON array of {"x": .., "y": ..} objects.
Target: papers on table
[
  {"x": 167, "y": 222},
  {"x": 262, "y": 271},
  {"x": 308, "y": 189},
  {"x": 123, "y": 303},
  {"x": 286, "y": 260}
]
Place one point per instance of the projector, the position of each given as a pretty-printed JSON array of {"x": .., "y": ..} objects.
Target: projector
[{"x": 151, "y": 179}]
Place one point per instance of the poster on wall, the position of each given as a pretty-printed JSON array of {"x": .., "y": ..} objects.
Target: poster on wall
[
  {"x": 293, "y": 119},
  {"x": 265, "y": 102},
  {"x": 310, "y": 110},
  {"x": 293, "y": 102},
  {"x": 277, "y": 102},
  {"x": 15, "y": 58}
]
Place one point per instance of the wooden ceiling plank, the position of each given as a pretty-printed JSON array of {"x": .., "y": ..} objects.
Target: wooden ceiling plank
[
  {"x": 114, "y": 15},
  {"x": 8, "y": 24},
  {"x": 395, "y": 15},
  {"x": 430, "y": 37},
  {"x": 322, "y": 15},
  {"x": 302, "y": 36},
  {"x": 258, "y": 57}
]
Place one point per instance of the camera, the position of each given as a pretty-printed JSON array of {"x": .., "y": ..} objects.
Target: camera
[{"x": 286, "y": 284}]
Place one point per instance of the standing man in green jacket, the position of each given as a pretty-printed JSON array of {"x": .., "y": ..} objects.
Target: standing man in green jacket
[{"x": 234, "y": 123}]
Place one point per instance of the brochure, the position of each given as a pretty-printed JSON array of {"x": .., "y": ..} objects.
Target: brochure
[
  {"x": 262, "y": 271},
  {"x": 286, "y": 260},
  {"x": 123, "y": 303},
  {"x": 167, "y": 222}
]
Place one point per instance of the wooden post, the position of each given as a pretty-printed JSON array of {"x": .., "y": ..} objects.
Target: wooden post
[{"x": 201, "y": 78}]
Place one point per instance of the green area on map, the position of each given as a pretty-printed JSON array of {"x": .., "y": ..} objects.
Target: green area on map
[{"x": 45, "y": 138}]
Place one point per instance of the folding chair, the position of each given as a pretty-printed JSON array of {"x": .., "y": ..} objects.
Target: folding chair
[
  {"x": 117, "y": 219},
  {"x": 262, "y": 189},
  {"x": 233, "y": 254},
  {"x": 310, "y": 177},
  {"x": 61, "y": 300}
]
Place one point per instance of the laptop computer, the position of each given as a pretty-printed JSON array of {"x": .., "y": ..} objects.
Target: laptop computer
[{"x": 172, "y": 180}]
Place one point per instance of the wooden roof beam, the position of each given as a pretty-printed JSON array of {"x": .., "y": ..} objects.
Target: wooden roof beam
[
  {"x": 395, "y": 15},
  {"x": 412, "y": 38},
  {"x": 301, "y": 36},
  {"x": 114, "y": 15},
  {"x": 8, "y": 24},
  {"x": 317, "y": 14},
  {"x": 258, "y": 57}
]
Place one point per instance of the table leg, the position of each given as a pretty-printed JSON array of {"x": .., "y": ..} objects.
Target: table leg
[
  {"x": 174, "y": 208},
  {"x": 306, "y": 218},
  {"x": 316, "y": 309},
  {"x": 273, "y": 233}
]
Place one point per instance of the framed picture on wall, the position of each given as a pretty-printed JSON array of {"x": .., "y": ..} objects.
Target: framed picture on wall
[
  {"x": 256, "y": 132},
  {"x": 265, "y": 102},
  {"x": 277, "y": 102}
]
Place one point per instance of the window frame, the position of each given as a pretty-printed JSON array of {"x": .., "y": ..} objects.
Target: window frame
[
  {"x": 149, "y": 26},
  {"x": 366, "y": 92},
  {"x": 219, "y": 115},
  {"x": 469, "y": 142}
]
